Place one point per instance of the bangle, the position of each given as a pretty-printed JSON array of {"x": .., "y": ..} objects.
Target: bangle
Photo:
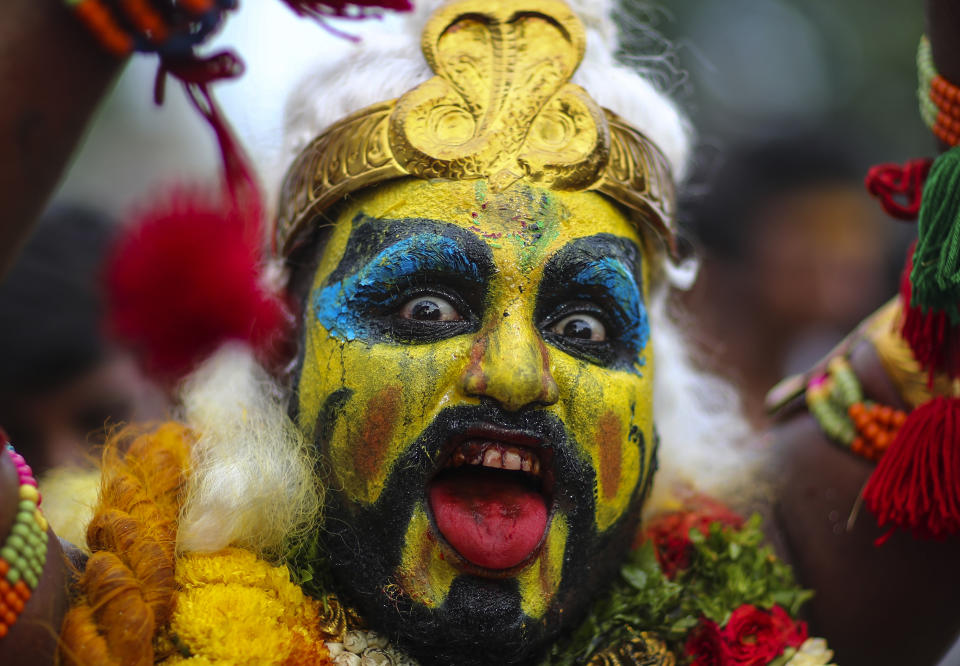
[
  {"x": 24, "y": 552},
  {"x": 939, "y": 99},
  {"x": 836, "y": 401}
]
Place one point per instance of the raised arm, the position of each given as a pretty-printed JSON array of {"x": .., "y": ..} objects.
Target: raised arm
[{"x": 52, "y": 75}]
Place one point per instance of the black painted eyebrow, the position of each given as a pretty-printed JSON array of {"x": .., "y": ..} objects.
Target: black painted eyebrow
[
  {"x": 370, "y": 236},
  {"x": 579, "y": 254},
  {"x": 606, "y": 270}
]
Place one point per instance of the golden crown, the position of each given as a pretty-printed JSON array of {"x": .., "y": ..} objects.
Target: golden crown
[{"x": 500, "y": 107}]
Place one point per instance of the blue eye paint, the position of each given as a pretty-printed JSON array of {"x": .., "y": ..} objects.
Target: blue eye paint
[
  {"x": 344, "y": 307},
  {"x": 630, "y": 313}
]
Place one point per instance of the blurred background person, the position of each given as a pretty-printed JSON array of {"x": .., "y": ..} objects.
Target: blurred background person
[
  {"x": 62, "y": 382},
  {"x": 794, "y": 254}
]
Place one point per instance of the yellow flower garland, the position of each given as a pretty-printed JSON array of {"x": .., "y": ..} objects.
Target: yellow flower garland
[{"x": 234, "y": 608}]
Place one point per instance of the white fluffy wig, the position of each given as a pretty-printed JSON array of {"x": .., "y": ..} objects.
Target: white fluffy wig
[{"x": 253, "y": 482}]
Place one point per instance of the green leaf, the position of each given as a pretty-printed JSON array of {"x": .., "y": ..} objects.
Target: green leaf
[
  {"x": 635, "y": 576},
  {"x": 729, "y": 567}
]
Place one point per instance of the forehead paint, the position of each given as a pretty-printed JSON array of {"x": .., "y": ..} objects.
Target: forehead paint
[
  {"x": 538, "y": 216},
  {"x": 340, "y": 307},
  {"x": 529, "y": 219}
]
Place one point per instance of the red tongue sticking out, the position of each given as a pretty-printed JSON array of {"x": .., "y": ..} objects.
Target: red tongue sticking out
[{"x": 491, "y": 518}]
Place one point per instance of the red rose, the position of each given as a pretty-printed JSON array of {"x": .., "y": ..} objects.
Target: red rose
[
  {"x": 792, "y": 633},
  {"x": 752, "y": 637},
  {"x": 756, "y": 637},
  {"x": 706, "y": 646},
  {"x": 670, "y": 533}
]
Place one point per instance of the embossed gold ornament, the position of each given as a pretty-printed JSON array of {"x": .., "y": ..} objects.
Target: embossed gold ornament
[
  {"x": 500, "y": 107},
  {"x": 335, "y": 618},
  {"x": 643, "y": 649}
]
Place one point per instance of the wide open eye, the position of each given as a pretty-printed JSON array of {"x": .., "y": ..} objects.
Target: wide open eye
[
  {"x": 429, "y": 308},
  {"x": 580, "y": 326}
]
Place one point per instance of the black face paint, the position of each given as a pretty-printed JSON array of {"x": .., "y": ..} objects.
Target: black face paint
[
  {"x": 417, "y": 400},
  {"x": 481, "y": 620}
]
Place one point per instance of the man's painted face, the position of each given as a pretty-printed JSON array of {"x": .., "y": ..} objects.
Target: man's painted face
[{"x": 477, "y": 374}]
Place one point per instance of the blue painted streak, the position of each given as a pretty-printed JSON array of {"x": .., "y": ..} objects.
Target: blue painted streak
[
  {"x": 631, "y": 316},
  {"x": 342, "y": 308}
]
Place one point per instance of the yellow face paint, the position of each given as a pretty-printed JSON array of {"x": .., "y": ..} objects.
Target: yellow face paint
[
  {"x": 424, "y": 573},
  {"x": 433, "y": 297}
]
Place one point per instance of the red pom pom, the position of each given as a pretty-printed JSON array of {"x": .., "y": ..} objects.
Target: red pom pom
[
  {"x": 916, "y": 485},
  {"x": 185, "y": 278}
]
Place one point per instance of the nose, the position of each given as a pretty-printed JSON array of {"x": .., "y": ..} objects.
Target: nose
[{"x": 509, "y": 363}]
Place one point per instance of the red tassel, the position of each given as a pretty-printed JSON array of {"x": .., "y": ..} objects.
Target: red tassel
[
  {"x": 185, "y": 278},
  {"x": 887, "y": 182},
  {"x": 916, "y": 485},
  {"x": 934, "y": 341}
]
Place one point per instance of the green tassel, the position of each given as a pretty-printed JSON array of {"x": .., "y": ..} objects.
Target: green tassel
[{"x": 935, "y": 278}]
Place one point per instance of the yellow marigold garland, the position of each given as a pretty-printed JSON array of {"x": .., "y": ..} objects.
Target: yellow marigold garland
[{"x": 234, "y": 608}]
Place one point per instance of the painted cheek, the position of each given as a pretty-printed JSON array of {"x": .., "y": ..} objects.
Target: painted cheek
[
  {"x": 609, "y": 439},
  {"x": 540, "y": 581},
  {"x": 377, "y": 433},
  {"x": 319, "y": 377},
  {"x": 618, "y": 463},
  {"x": 423, "y": 573},
  {"x": 595, "y": 407},
  {"x": 380, "y": 422}
]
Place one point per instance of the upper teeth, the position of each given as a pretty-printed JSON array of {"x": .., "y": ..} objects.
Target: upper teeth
[{"x": 496, "y": 455}]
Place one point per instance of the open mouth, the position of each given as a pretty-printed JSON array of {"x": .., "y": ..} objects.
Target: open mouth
[{"x": 491, "y": 498}]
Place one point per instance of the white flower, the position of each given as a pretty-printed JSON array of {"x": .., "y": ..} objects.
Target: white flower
[
  {"x": 813, "y": 652},
  {"x": 347, "y": 659}
]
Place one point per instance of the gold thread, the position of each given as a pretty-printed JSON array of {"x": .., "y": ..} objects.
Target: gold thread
[
  {"x": 500, "y": 107},
  {"x": 897, "y": 358},
  {"x": 641, "y": 649}
]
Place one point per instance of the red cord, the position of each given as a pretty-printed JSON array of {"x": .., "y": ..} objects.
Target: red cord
[{"x": 891, "y": 183}]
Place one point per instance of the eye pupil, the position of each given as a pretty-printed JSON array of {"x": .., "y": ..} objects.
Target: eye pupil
[
  {"x": 581, "y": 326},
  {"x": 578, "y": 328},
  {"x": 426, "y": 310}
]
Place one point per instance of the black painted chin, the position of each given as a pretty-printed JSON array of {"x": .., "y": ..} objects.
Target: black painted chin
[{"x": 481, "y": 621}]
